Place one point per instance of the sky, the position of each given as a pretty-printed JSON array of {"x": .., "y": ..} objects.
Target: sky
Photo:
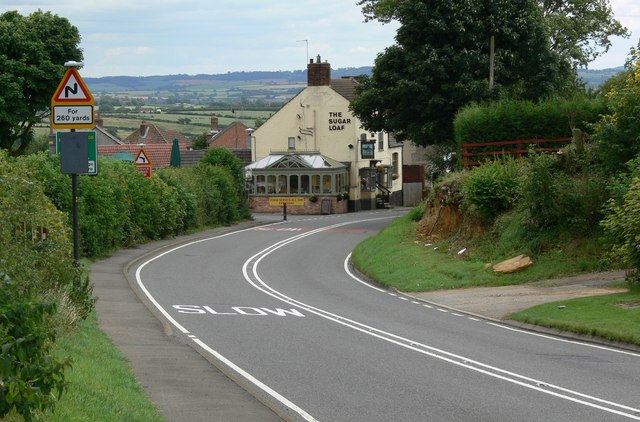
[{"x": 163, "y": 37}]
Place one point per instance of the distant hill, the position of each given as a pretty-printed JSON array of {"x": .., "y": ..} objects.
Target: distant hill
[
  {"x": 594, "y": 78},
  {"x": 134, "y": 85},
  {"x": 229, "y": 79}
]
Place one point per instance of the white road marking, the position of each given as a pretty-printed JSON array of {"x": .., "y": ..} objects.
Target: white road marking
[
  {"x": 530, "y": 383},
  {"x": 250, "y": 378},
  {"x": 443, "y": 355}
]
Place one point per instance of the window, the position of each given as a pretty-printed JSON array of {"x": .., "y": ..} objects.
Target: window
[
  {"x": 293, "y": 184},
  {"x": 315, "y": 183},
  {"x": 367, "y": 179},
  {"x": 271, "y": 184},
  {"x": 304, "y": 183},
  {"x": 394, "y": 163},
  {"x": 292, "y": 143},
  {"x": 326, "y": 183},
  {"x": 380, "y": 141},
  {"x": 282, "y": 184},
  {"x": 261, "y": 184}
]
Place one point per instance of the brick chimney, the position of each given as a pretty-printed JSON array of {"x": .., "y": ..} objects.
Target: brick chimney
[
  {"x": 318, "y": 74},
  {"x": 99, "y": 120},
  {"x": 144, "y": 129},
  {"x": 214, "y": 122}
]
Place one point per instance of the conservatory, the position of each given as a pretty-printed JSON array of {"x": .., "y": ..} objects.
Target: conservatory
[{"x": 309, "y": 183}]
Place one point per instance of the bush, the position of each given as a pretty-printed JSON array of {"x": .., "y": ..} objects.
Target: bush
[
  {"x": 617, "y": 134},
  {"x": 416, "y": 213},
  {"x": 491, "y": 189},
  {"x": 32, "y": 379},
  {"x": 544, "y": 192},
  {"x": 186, "y": 198},
  {"x": 222, "y": 157},
  {"x": 622, "y": 226},
  {"x": 35, "y": 239},
  {"x": 552, "y": 198}
]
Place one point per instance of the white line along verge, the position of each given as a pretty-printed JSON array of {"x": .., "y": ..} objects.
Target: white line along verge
[{"x": 241, "y": 372}]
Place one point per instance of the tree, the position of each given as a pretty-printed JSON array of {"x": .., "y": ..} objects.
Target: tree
[
  {"x": 33, "y": 50},
  {"x": 579, "y": 30},
  {"x": 200, "y": 141},
  {"x": 617, "y": 134},
  {"x": 441, "y": 62}
]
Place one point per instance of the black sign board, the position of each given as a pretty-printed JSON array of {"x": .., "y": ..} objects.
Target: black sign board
[{"x": 74, "y": 150}]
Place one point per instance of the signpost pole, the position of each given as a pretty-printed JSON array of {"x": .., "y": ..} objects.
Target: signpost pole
[
  {"x": 76, "y": 234},
  {"x": 72, "y": 108}
]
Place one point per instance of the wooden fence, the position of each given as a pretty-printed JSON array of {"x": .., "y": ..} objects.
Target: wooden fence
[{"x": 476, "y": 154}]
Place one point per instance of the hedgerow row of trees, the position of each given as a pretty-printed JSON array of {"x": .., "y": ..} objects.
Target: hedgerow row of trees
[{"x": 42, "y": 292}]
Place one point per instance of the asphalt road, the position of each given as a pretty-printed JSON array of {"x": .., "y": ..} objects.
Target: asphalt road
[{"x": 279, "y": 310}]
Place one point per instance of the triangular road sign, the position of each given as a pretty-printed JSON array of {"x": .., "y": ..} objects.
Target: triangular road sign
[
  {"x": 142, "y": 159},
  {"x": 72, "y": 89}
]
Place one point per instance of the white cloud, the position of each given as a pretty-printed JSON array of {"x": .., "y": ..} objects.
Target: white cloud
[{"x": 151, "y": 37}]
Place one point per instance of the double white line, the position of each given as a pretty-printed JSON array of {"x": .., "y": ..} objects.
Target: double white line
[{"x": 250, "y": 271}]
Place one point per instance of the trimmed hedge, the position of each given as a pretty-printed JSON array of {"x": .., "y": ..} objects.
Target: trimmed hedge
[
  {"x": 509, "y": 120},
  {"x": 120, "y": 207}
]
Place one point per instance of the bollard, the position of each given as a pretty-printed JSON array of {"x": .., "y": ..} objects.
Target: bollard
[{"x": 284, "y": 211}]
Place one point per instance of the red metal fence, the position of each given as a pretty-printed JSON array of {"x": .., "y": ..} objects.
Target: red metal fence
[{"x": 475, "y": 154}]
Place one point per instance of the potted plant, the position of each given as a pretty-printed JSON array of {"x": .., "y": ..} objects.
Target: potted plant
[{"x": 313, "y": 198}]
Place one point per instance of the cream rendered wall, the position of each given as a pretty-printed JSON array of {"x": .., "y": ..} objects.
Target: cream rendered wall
[{"x": 319, "y": 119}]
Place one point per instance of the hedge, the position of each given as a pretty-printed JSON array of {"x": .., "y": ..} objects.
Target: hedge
[{"x": 509, "y": 120}]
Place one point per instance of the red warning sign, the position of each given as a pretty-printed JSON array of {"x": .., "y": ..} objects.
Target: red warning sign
[{"x": 72, "y": 89}]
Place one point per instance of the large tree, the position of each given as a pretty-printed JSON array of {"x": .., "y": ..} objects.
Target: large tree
[
  {"x": 579, "y": 30},
  {"x": 33, "y": 50},
  {"x": 441, "y": 62}
]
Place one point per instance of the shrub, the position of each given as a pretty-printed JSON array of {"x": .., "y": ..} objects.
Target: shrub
[
  {"x": 543, "y": 191},
  {"x": 222, "y": 157},
  {"x": 553, "y": 198},
  {"x": 622, "y": 226},
  {"x": 186, "y": 198},
  {"x": 416, "y": 213},
  {"x": 103, "y": 210},
  {"x": 32, "y": 378},
  {"x": 490, "y": 189},
  {"x": 35, "y": 239},
  {"x": 617, "y": 134}
]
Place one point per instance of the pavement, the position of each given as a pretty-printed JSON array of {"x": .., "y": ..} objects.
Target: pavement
[{"x": 185, "y": 386}]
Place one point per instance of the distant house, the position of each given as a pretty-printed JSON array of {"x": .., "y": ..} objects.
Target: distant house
[
  {"x": 102, "y": 136},
  {"x": 151, "y": 134},
  {"x": 236, "y": 137},
  {"x": 157, "y": 143},
  {"x": 159, "y": 154}
]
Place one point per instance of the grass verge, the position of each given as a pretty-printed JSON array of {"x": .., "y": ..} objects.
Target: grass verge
[
  {"x": 413, "y": 266},
  {"x": 101, "y": 384},
  {"x": 613, "y": 317}
]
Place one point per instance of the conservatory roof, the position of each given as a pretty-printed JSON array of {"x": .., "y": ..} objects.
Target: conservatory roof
[{"x": 296, "y": 161}]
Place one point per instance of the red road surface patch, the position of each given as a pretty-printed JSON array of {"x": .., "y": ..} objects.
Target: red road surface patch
[{"x": 306, "y": 229}]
